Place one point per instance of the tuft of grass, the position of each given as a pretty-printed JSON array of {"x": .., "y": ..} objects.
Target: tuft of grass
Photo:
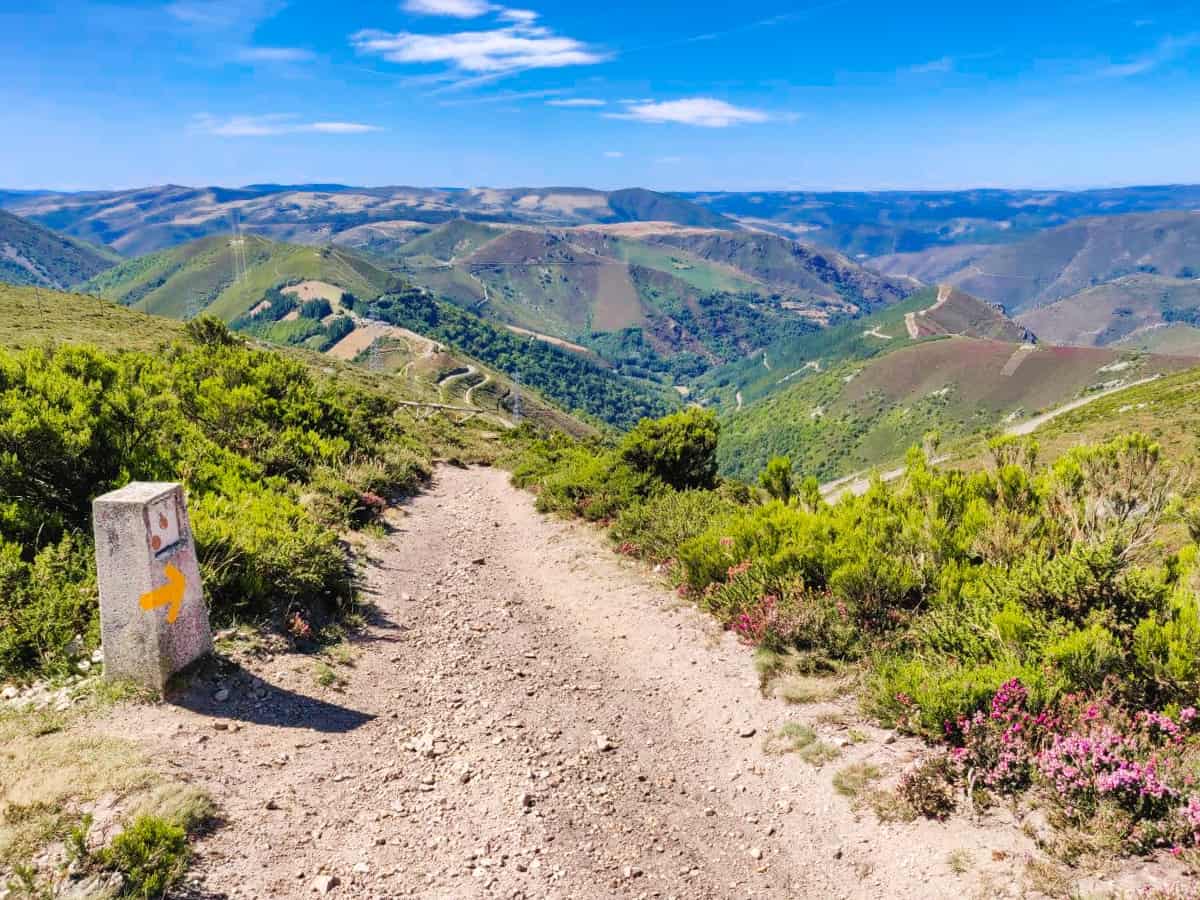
[
  {"x": 960, "y": 861},
  {"x": 325, "y": 676},
  {"x": 853, "y": 780},
  {"x": 152, "y": 854},
  {"x": 185, "y": 805},
  {"x": 890, "y": 806},
  {"x": 341, "y": 653},
  {"x": 106, "y": 692},
  {"x": 801, "y": 739},
  {"x": 800, "y": 689},
  {"x": 1047, "y": 877}
]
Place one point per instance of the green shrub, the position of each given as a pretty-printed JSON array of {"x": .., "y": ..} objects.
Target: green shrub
[
  {"x": 922, "y": 695},
  {"x": 679, "y": 450},
  {"x": 1085, "y": 657},
  {"x": 776, "y": 478},
  {"x": 261, "y": 554},
  {"x": 152, "y": 854},
  {"x": 1166, "y": 647},
  {"x": 44, "y": 604},
  {"x": 657, "y": 527}
]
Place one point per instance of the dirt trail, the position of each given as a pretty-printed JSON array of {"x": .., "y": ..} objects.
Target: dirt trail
[{"x": 529, "y": 715}]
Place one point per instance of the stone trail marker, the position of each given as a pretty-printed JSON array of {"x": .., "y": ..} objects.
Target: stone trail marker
[{"x": 153, "y": 621}]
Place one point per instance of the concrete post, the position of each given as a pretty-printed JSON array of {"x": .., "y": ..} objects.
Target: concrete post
[{"x": 153, "y": 621}]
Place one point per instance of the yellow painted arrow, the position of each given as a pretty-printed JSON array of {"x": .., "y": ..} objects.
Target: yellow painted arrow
[{"x": 171, "y": 592}]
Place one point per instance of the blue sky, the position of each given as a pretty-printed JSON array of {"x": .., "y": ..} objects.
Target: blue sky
[{"x": 827, "y": 94}]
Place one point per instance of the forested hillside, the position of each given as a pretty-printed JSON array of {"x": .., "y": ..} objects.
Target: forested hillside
[{"x": 32, "y": 254}]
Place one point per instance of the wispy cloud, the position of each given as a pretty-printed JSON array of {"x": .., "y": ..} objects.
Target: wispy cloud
[
  {"x": 223, "y": 14},
  {"x": 510, "y": 48},
  {"x": 272, "y": 124},
  {"x": 274, "y": 55},
  {"x": 943, "y": 64},
  {"x": 469, "y": 9},
  {"x": 1168, "y": 50},
  {"x": 705, "y": 112},
  {"x": 458, "y": 9},
  {"x": 577, "y": 102},
  {"x": 503, "y": 97}
]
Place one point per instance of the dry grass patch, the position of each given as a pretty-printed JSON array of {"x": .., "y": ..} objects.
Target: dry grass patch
[
  {"x": 1047, "y": 877},
  {"x": 53, "y": 772},
  {"x": 960, "y": 861},
  {"x": 799, "y": 689},
  {"x": 801, "y": 739},
  {"x": 47, "y": 773},
  {"x": 854, "y": 780}
]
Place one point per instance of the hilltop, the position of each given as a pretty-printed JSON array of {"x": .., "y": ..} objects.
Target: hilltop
[
  {"x": 227, "y": 277},
  {"x": 862, "y": 393},
  {"x": 33, "y": 254}
]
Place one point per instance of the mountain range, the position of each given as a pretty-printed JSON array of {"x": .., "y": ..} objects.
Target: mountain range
[{"x": 619, "y": 304}]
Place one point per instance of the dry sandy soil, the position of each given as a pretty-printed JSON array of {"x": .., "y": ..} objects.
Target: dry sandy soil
[{"x": 527, "y": 715}]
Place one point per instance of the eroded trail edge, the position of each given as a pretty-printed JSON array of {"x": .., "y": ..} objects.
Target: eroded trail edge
[{"x": 529, "y": 715}]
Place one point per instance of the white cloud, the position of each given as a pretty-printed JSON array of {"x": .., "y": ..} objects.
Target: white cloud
[
  {"x": 576, "y": 101},
  {"x": 458, "y": 9},
  {"x": 613, "y": 154},
  {"x": 468, "y": 9},
  {"x": 705, "y": 112},
  {"x": 272, "y": 124},
  {"x": 525, "y": 16},
  {"x": 274, "y": 54},
  {"x": 1167, "y": 51},
  {"x": 340, "y": 127},
  {"x": 943, "y": 64},
  {"x": 511, "y": 48}
]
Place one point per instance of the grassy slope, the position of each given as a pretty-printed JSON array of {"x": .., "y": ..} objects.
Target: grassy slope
[
  {"x": 33, "y": 254},
  {"x": 36, "y": 319},
  {"x": 1167, "y": 409},
  {"x": 828, "y": 347},
  {"x": 199, "y": 276},
  {"x": 1125, "y": 311},
  {"x": 863, "y": 413},
  {"x": 1063, "y": 261}
]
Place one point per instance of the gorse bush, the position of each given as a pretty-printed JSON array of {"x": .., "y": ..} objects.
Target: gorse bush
[
  {"x": 680, "y": 450},
  {"x": 271, "y": 458},
  {"x": 963, "y": 596}
]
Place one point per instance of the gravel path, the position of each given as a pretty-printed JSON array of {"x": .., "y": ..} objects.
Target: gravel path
[{"x": 528, "y": 715}]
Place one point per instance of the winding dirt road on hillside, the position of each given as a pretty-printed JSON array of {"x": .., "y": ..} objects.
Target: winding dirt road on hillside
[{"x": 528, "y": 715}]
